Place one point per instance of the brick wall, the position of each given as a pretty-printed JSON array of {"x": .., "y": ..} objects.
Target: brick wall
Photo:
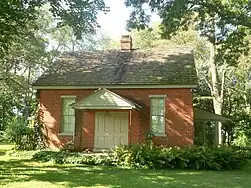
[{"x": 178, "y": 117}]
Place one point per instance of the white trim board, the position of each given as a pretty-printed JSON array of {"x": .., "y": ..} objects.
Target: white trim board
[
  {"x": 105, "y": 99},
  {"x": 117, "y": 87},
  {"x": 103, "y": 108}
]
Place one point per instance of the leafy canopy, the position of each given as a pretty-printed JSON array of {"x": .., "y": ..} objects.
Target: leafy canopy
[
  {"x": 16, "y": 15},
  {"x": 225, "y": 23}
]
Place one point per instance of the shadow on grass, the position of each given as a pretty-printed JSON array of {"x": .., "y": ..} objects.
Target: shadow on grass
[
  {"x": 2, "y": 153},
  {"x": 88, "y": 176}
]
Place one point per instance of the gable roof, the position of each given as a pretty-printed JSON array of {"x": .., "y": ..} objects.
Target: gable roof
[
  {"x": 174, "y": 66},
  {"x": 105, "y": 99}
]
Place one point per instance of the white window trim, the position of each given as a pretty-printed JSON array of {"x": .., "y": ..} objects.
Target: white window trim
[
  {"x": 65, "y": 133},
  {"x": 164, "y": 116}
]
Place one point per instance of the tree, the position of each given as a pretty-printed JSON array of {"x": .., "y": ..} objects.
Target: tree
[
  {"x": 16, "y": 15},
  {"x": 32, "y": 53},
  {"x": 150, "y": 38},
  {"x": 237, "y": 103},
  {"x": 146, "y": 38},
  {"x": 19, "y": 67},
  {"x": 63, "y": 39},
  {"x": 225, "y": 24}
]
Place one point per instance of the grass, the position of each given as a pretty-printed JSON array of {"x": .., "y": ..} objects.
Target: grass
[
  {"x": 24, "y": 172},
  {"x": 4, "y": 148}
]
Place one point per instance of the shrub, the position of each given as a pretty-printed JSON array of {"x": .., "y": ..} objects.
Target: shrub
[
  {"x": 21, "y": 134},
  {"x": 152, "y": 157},
  {"x": 242, "y": 140},
  {"x": 245, "y": 151},
  {"x": 66, "y": 157},
  {"x": 145, "y": 156},
  {"x": 54, "y": 156},
  {"x": 3, "y": 138}
]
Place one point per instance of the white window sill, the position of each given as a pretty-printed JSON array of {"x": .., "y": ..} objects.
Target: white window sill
[
  {"x": 157, "y": 96},
  {"x": 65, "y": 134},
  {"x": 159, "y": 134}
]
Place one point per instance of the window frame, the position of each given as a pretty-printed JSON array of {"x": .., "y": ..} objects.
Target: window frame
[
  {"x": 62, "y": 115},
  {"x": 162, "y": 97}
]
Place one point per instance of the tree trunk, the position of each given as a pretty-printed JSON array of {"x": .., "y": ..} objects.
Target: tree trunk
[
  {"x": 216, "y": 93},
  {"x": 218, "y": 128},
  {"x": 27, "y": 101}
]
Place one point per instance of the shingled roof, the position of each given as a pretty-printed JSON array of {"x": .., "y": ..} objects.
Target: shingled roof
[{"x": 174, "y": 66}]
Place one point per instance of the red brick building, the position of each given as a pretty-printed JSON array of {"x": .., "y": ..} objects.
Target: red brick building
[{"x": 102, "y": 99}]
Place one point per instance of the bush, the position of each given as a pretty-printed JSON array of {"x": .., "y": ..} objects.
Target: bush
[
  {"x": 66, "y": 157},
  {"x": 23, "y": 136},
  {"x": 3, "y": 138},
  {"x": 245, "y": 151},
  {"x": 145, "y": 156},
  {"x": 242, "y": 140},
  {"x": 152, "y": 157}
]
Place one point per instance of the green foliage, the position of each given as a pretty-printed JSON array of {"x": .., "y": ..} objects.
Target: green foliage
[
  {"x": 147, "y": 38},
  {"x": 242, "y": 140},
  {"x": 245, "y": 151},
  {"x": 21, "y": 134},
  {"x": 21, "y": 153},
  {"x": 2, "y": 137},
  {"x": 65, "y": 157},
  {"x": 237, "y": 103},
  {"x": 145, "y": 156},
  {"x": 81, "y": 16},
  {"x": 223, "y": 23},
  {"x": 152, "y": 157},
  {"x": 20, "y": 67},
  {"x": 150, "y": 38}
]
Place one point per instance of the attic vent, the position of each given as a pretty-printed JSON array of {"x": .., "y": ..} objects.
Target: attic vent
[{"x": 126, "y": 42}]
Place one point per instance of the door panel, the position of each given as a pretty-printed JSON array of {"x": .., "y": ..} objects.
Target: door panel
[{"x": 111, "y": 129}]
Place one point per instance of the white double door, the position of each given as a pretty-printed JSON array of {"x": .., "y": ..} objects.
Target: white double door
[{"x": 111, "y": 129}]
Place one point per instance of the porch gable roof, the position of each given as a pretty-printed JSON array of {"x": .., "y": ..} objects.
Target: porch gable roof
[
  {"x": 105, "y": 99},
  {"x": 203, "y": 115}
]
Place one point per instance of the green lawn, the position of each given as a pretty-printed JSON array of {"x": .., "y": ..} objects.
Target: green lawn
[
  {"x": 16, "y": 172},
  {"x": 5, "y": 147}
]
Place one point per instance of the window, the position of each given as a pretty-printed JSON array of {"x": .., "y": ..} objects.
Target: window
[
  {"x": 157, "y": 106},
  {"x": 68, "y": 115}
]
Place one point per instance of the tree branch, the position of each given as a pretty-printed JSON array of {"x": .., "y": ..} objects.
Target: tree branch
[{"x": 209, "y": 85}]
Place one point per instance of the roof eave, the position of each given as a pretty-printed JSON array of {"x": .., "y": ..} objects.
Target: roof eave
[
  {"x": 111, "y": 86},
  {"x": 106, "y": 108}
]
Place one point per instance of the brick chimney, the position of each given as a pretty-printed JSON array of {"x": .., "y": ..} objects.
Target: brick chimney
[{"x": 126, "y": 43}]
